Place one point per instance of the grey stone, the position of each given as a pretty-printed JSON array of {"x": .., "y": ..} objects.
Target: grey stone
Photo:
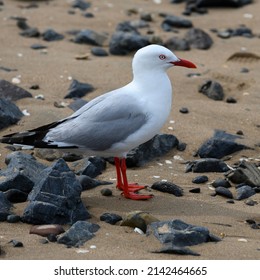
[
  {"x": 198, "y": 39},
  {"x": 90, "y": 37},
  {"x": 244, "y": 192},
  {"x": 9, "y": 113},
  {"x": 212, "y": 89},
  {"x": 167, "y": 187},
  {"x": 78, "y": 89},
  {"x": 78, "y": 234},
  {"x": 207, "y": 165}
]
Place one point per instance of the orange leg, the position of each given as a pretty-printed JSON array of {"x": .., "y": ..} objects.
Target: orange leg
[{"x": 129, "y": 190}]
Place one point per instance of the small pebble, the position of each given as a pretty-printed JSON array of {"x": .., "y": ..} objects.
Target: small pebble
[
  {"x": 194, "y": 190},
  {"x": 110, "y": 218},
  {"x": 98, "y": 51},
  {"x": 221, "y": 183},
  {"x": 231, "y": 201},
  {"x": 16, "y": 243},
  {"x": 231, "y": 100},
  {"x": 184, "y": 110},
  {"x": 47, "y": 230},
  {"x": 222, "y": 191},
  {"x": 13, "y": 218},
  {"x": 52, "y": 237},
  {"x": 200, "y": 179},
  {"x": 250, "y": 202},
  {"x": 106, "y": 192}
]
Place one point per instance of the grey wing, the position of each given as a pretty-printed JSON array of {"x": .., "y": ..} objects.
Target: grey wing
[{"x": 105, "y": 121}]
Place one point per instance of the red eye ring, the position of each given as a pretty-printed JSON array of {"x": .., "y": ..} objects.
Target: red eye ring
[{"x": 162, "y": 56}]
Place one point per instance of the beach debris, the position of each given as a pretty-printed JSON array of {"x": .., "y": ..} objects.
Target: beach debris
[
  {"x": 198, "y": 39},
  {"x": 12, "y": 92},
  {"x": 110, "y": 218},
  {"x": 220, "y": 145},
  {"x": 175, "y": 234},
  {"x": 200, "y": 179},
  {"x": 167, "y": 187},
  {"x": 207, "y": 165},
  {"x": 55, "y": 198},
  {"x": 158, "y": 146},
  {"x": 45, "y": 230},
  {"x": 138, "y": 219},
  {"x": 88, "y": 183},
  {"x": 78, "y": 233},
  {"x": 78, "y": 89},
  {"x": 212, "y": 89}
]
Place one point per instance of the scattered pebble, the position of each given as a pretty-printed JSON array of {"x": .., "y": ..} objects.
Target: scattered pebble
[
  {"x": 200, "y": 179},
  {"x": 167, "y": 187},
  {"x": 110, "y": 218},
  {"x": 106, "y": 192}
]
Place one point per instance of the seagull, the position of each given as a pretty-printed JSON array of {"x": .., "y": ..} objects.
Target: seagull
[{"x": 114, "y": 123}]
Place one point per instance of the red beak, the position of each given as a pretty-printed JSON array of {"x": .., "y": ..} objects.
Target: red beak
[{"x": 184, "y": 63}]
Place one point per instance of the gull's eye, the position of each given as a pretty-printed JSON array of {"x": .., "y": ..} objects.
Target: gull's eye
[{"x": 162, "y": 56}]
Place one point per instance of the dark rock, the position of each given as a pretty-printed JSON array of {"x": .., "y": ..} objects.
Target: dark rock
[
  {"x": 198, "y": 39},
  {"x": 207, "y": 165},
  {"x": 110, "y": 218},
  {"x": 46, "y": 230},
  {"x": 88, "y": 183},
  {"x": 200, "y": 179},
  {"x": 31, "y": 32},
  {"x": 170, "y": 248},
  {"x": 98, "y": 51},
  {"x": 51, "y": 35},
  {"x": 21, "y": 173},
  {"x": 231, "y": 201},
  {"x": 78, "y": 234},
  {"x": 246, "y": 173},
  {"x": 167, "y": 187},
  {"x": 171, "y": 21},
  {"x": 78, "y": 89},
  {"x": 122, "y": 43},
  {"x": 88, "y": 15},
  {"x": 250, "y": 202},
  {"x": 177, "y": 44},
  {"x": 194, "y": 190},
  {"x": 212, "y": 89},
  {"x": 5, "y": 207},
  {"x": 244, "y": 70},
  {"x": 181, "y": 146},
  {"x": 77, "y": 104},
  {"x": 231, "y": 100},
  {"x": 244, "y": 192},
  {"x": 13, "y": 218},
  {"x": 158, "y": 146},
  {"x": 223, "y": 3},
  {"x": 9, "y": 113},
  {"x": 52, "y": 237},
  {"x": 22, "y": 23},
  {"x": 106, "y": 192},
  {"x": 91, "y": 167},
  {"x": 37, "y": 46},
  {"x": 222, "y": 191},
  {"x": 127, "y": 26},
  {"x": 179, "y": 233},
  {"x": 80, "y": 4},
  {"x": 90, "y": 37},
  {"x": 220, "y": 145},
  {"x": 16, "y": 196},
  {"x": 221, "y": 183},
  {"x": 16, "y": 243},
  {"x": 55, "y": 198},
  {"x": 184, "y": 110},
  {"x": 146, "y": 16}
]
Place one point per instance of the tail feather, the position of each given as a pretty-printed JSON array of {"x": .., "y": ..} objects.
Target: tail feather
[{"x": 34, "y": 138}]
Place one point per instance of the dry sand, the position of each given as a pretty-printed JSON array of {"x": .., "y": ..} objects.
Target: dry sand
[{"x": 52, "y": 71}]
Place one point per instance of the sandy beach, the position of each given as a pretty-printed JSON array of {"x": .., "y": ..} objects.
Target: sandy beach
[{"x": 53, "y": 71}]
